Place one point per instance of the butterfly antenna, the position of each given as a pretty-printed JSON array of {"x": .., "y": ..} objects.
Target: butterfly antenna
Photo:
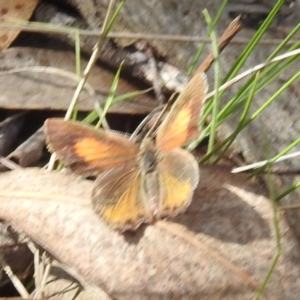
[{"x": 145, "y": 121}]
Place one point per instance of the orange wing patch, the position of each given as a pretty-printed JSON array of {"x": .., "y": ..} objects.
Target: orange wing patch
[
  {"x": 90, "y": 148},
  {"x": 176, "y": 195},
  {"x": 119, "y": 198},
  {"x": 177, "y": 132},
  {"x": 102, "y": 154},
  {"x": 179, "y": 176},
  {"x": 127, "y": 210}
]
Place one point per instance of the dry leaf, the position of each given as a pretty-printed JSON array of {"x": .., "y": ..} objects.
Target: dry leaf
[
  {"x": 9, "y": 130},
  {"x": 11, "y": 10},
  {"x": 29, "y": 151},
  {"x": 54, "y": 89},
  {"x": 221, "y": 248}
]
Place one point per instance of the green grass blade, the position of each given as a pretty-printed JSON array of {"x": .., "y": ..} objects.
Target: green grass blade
[
  {"x": 275, "y": 95},
  {"x": 111, "y": 95},
  {"x": 113, "y": 18},
  {"x": 77, "y": 52},
  {"x": 77, "y": 66},
  {"x": 276, "y": 157},
  {"x": 254, "y": 41},
  {"x": 210, "y": 29},
  {"x": 288, "y": 191},
  {"x": 242, "y": 120},
  {"x": 255, "y": 114},
  {"x": 92, "y": 116},
  {"x": 277, "y": 237},
  {"x": 216, "y": 83}
]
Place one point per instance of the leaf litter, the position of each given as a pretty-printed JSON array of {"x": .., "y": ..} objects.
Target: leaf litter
[{"x": 221, "y": 248}]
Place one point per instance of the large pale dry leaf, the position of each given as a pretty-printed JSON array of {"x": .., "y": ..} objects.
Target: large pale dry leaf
[
  {"x": 221, "y": 248},
  {"x": 53, "y": 89},
  {"x": 10, "y": 11}
]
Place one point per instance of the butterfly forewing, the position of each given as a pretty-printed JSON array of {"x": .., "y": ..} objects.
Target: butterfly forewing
[
  {"x": 86, "y": 150},
  {"x": 181, "y": 124},
  {"x": 119, "y": 198},
  {"x": 179, "y": 177}
]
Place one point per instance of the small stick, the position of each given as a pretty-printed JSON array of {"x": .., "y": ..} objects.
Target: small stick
[{"x": 231, "y": 31}]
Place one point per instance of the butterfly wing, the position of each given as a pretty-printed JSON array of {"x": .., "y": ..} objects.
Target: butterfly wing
[
  {"x": 179, "y": 177},
  {"x": 119, "y": 198},
  {"x": 181, "y": 124},
  {"x": 86, "y": 150}
]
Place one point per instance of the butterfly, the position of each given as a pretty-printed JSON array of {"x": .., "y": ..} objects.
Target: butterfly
[{"x": 139, "y": 183}]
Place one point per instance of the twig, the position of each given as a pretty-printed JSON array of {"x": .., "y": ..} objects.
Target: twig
[
  {"x": 9, "y": 164},
  {"x": 39, "y": 27},
  {"x": 231, "y": 31}
]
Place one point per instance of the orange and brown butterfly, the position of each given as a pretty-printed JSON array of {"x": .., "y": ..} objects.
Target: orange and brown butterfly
[{"x": 142, "y": 182}]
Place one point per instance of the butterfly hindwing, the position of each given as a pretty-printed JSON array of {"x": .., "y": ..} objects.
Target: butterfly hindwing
[
  {"x": 179, "y": 177},
  {"x": 119, "y": 198}
]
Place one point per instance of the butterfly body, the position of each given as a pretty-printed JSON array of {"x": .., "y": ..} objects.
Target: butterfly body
[
  {"x": 139, "y": 183},
  {"x": 150, "y": 188}
]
